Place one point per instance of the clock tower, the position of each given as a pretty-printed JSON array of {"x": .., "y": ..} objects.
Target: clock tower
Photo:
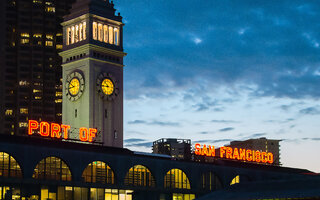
[{"x": 92, "y": 68}]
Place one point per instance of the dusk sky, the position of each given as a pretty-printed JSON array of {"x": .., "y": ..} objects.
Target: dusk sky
[{"x": 215, "y": 71}]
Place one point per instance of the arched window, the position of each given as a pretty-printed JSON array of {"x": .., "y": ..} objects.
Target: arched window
[
  {"x": 110, "y": 34},
  {"x": 176, "y": 178},
  {"x": 72, "y": 34},
  {"x": 52, "y": 168},
  {"x": 76, "y": 37},
  {"x": 239, "y": 178},
  {"x": 80, "y": 32},
  {"x": 95, "y": 30},
  {"x": 84, "y": 30},
  {"x": 105, "y": 35},
  {"x": 9, "y": 166},
  {"x": 68, "y": 36},
  {"x": 100, "y": 32},
  {"x": 98, "y": 172},
  {"x": 139, "y": 175},
  {"x": 116, "y": 36},
  {"x": 210, "y": 181}
]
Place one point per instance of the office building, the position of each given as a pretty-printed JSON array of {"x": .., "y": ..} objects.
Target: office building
[{"x": 179, "y": 149}]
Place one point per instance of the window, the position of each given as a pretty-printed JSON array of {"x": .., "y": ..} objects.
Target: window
[
  {"x": 110, "y": 35},
  {"x": 50, "y": 9},
  {"x": 24, "y": 41},
  {"x": 100, "y": 32},
  {"x": 72, "y": 34},
  {"x": 84, "y": 31},
  {"x": 59, "y": 46},
  {"x": 49, "y": 37},
  {"x": 98, "y": 172},
  {"x": 116, "y": 36},
  {"x": 49, "y": 43},
  {"x": 235, "y": 180},
  {"x": 23, "y": 124},
  {"x": 75, "y": 113},
  {"x": 24, "y": 110},
  {"x": 37, "y": 35},
  {"x": 80, "y": 32},
  {"x": 68, "y": 36},
  {"x": 9, "y": 112},
  {"x": 95, "y": 30},
  {"x": 76, "y": 36},
  {"x": 210, "y": 181},
  {"x": 52, "y": 168},
  {"x": 26, "y": 35},
  {"x": 9, "y": 166},
  {"x": 139, "y": 175},
  {"x": 105, "y": 35},
  {"x": 176, "y": 178}
]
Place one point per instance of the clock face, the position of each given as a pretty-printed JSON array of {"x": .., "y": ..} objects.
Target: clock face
[
  {"x": 74, "y": 85},
  {"x": 107, "y": 86}
]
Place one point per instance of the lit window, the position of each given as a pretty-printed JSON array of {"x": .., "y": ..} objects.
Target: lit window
[
  {"x": 49, "y": 43},
  {"x": 25, "y": 35},
  {"x": 100, "y": 32},
  {"x": 52, "y": 168},
  {"x": 37, "y": 97},
  {"x": 58, "y": 94},
  {"x": 116, "y": 36},
  {"x": 37, "y": 35},
  {"x": 105, "y": 35},
  {"x": 24, "y": 110},
  {"x": 68, "y": 36},
  {"x": 50, "y": 9},
  {"x": 36, "y": 91},
  {"x": 59, "y": 46},
  {"x": 58, "y": 101},
  {"x": 49, "y": 3},
  {"x": 59, "y": 34},
  {"x": 76, "y": 36},
  {"x": 80, "y": 32},
  {"x": 139, "y": 175},
  {"x": 84, "y": 31},
  {"x": 39, "y": 43},
  {"x": 95, "y": 30},
  {"x": 23, "y": 124},
  {"x": 72, "y": 35},
  {"x": 37, "y": 1},
  {"x": 49, "y": 37},
  {"x": 183, "y": 196},
  {"x": 59, "y": 114},
  {"x": 24, "y": 41},
  {"x": 9, "y": 112},
  {"x": 23, "y": 83},
  {"x": 9, "y": 166},
  {"x": 176, "y": 178},
  {"x": 98, "y": 172},
  {"x": 110, "y": 35},
  {"x": 235, "y": 180}
]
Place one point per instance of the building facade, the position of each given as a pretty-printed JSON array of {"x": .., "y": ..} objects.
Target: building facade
[
  {"x": 179, "y": 149},
  {"x": 31, "y": 37}
]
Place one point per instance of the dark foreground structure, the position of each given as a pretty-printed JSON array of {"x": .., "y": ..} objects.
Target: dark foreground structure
[{"x": 36, "y": 168}]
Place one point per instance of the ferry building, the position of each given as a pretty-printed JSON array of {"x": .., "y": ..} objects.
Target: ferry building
[{"x": 83, "y": 158}]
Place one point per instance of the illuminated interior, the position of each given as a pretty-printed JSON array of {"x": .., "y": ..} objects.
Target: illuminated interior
[
  {"x": 74, "y": 86},
  {"x": 235, "y": 180},
  {"x": 139, "y": 175},
  {"x": 179, "y": 196},
  {"x": 9, "y": 166},
  {"x": 210, "y": 181},
  {"x": 106, "y": 33},
  {"x": 52, "y": 168},
  {"x": 98, "y": 172},
  {"x": 76, "y": 33},
  {"x": 107, "y": 86},
  {"x": 176, "y": 178}
]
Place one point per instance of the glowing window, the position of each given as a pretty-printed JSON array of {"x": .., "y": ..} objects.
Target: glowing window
[
  {"x": 210, "y": 181},
  {"x": 84, "y": 30},
  {"x": 116, "y": 36},
  {"x": 139, "y": 175},
  {"x": 26, "y": 35},
  {"x": 37, "y": 35},
  {"x": 95, "y": 30},
  {"x": 37, "y": 1},
  {"x": 235, "y": 180},
  {"x": 110, "y": 35},
  {"x": 23, "y": 124},
  {"x": 76, "y": 35},
  {"x": 9, "y": 166},
  {"x": 9, "y": 112},
  {"x": 58, "y": 101},
  {"x": 58, "y": 94},
  {"x": 50, "y": 9},
  {"x": 36, "y": 91},
  {"x": 49, "y": 37},
  {"x": 23, "y": 83},
  {"x": 72, "y": 35},
  {"x": 68, "y": 36},
  {"x": 24, "y": 110},
  {"x": 180, "y": 196},
  {"x": 49, "y": 43},
  {"x": 59, "y": 46},
  {"x": 52, "y": 168},
  {"x": 98, "y": 172},
  {"x": 105, "y": 34},
  {"x": 100, "y": 32},
  {"x": 80, "y": 32},
  {"x": 176, "y": 178},
  {"x": 25, "y": 41}
]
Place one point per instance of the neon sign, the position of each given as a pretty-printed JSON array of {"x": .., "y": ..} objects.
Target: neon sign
[
  {"x": 235, "y": 153},
  {"x": 59, "y": 131}
]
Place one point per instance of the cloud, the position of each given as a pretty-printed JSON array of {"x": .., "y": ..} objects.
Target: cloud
[
  {"x": 226, "y": 129},
  {"x": 310, "y": 111},
  {"x": 133, "y": 140},
  {"x": 224, "y": 121},
  {"x": 142, "y": 144},
  {"x": 154, "y": 122},
  {"x": 212, "y": 141},
  {"x": 257, "y": 135},
  {"x": 137, "y": 122}
]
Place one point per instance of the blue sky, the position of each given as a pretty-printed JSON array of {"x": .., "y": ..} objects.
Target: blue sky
[{"x": 215, "y": 71}]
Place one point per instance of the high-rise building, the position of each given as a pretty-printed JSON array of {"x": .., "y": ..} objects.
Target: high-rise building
[
  {"x": 261, "y": 144},
  {"x": 92, "y": 60},
  {"x": 30, "y": 83},
  {"x": 177, "y": 148}
]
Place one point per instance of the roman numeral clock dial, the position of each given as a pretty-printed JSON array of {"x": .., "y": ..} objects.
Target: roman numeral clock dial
[
  {"x": 107, "y": 86},
  {"x": 74, "y": 85}
]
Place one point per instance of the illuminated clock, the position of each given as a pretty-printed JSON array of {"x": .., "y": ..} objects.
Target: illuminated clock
[
  {"x": 107, "y": 86},
  {"x": 74, "y": 85}
]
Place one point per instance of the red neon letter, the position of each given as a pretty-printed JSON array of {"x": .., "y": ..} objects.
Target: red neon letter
[
  {"x": 235, "y": 153},
  {"x": 248, "y": 155},
  {"x": 65, "y": 129},
  {"x": 211, "y": 151},
  {"x": 198, "y": 149},
  {"x": 92, "y": 133},
  {"x": 33, "y": 125},
  {"x": 55, "y": 130},
  {"x": 242, "y": 154},
  {"x": 270, "y": 158},
  {"x": 204, "y": 150},
  {"x": 44, "y": 128},
  {"x": 258, "y": 157},
  {"x": 222, "y": 151},
  {"x": 263, "y": 157},
  {"x": 229, "y": 152},
  {"x": 83, "y": 134}
]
